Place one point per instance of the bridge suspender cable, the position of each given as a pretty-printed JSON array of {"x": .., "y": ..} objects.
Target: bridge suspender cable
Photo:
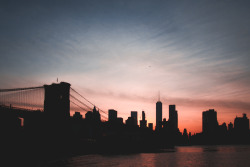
[
  {"x": 18, "y": 89},
  {"x": 87, "y": 100},
  {"x": 81, "y": 96},
  {"x": 81, "y": 102},
  {"x": 79, "y": 106}
]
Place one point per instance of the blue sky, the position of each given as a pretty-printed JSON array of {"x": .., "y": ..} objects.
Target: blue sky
[{"x": 121, "y": 53}]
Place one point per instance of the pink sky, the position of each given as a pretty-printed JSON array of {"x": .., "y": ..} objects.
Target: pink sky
[{"x": 120, "y": 54}]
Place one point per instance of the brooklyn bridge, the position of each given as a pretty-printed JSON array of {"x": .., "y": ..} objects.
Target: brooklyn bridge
[{"x": 55, "y": 101}]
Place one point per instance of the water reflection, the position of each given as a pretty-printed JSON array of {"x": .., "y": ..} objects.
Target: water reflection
[
  {"x": 189, "y": 149},
  {"x": 210, "y": 149},
  {"x": 200, "y": 156}
]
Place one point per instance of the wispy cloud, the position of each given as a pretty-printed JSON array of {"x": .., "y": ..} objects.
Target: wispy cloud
[{"x": 130, "y": 50}]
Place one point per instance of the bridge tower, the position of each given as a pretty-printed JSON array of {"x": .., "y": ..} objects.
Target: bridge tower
[{"x": 56, "y": 101}]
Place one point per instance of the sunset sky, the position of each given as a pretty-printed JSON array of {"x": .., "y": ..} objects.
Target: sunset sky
[{"x": 120, "y": 54}]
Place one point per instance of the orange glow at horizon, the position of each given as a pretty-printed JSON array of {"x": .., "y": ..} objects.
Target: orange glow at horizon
[{"x": 189, "y": 117}]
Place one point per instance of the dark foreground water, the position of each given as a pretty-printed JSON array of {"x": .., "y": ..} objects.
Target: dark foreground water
[{"x": 193, "y": 156}]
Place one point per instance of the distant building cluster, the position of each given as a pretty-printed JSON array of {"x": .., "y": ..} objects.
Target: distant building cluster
[
  {"x": 210, "y": 124},
  {"x": 213, "y": 133}
]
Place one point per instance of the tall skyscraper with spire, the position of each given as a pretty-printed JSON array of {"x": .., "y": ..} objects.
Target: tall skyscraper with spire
[{"x": 158, "y": 114}]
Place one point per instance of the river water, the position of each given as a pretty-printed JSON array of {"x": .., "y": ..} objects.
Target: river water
[{"x": 188, "y": 156}]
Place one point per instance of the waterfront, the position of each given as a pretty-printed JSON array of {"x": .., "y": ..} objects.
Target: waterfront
[{"x": 198, "y": 156}]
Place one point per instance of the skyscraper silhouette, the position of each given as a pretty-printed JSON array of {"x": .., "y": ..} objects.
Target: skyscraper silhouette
[
  {"x": 143, "y": 115},
  {"x": 241, "y": 124},
  {"x": 112, "y": 115},
  {"x": 134, "y": 115},
  {"x": 158, "y": 114},
  {"x": 143, "y": 122},
  {"x": 173, "y": 118},
  {"x": 209, "y": 121},
  {"x": 150, "y": 126}
]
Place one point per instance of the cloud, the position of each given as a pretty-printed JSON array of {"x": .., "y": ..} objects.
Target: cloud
[
  {"x": 197, "y": 52},
  {"x": 187, "y": 102}
]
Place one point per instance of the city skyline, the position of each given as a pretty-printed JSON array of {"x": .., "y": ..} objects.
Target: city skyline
[
  {"x": 15, "y": 106},
  {"x": 120, "y": 54},
  {"x": 32, "y": 136},
  {"x": 43, "y": 98}
]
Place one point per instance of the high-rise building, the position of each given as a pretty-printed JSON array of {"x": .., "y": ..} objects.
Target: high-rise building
[
  {"x": 77, "y": 116},
  {"x": 164, "y": 123},
  {"x": 230, "y": 127},
  {"x": 241, "y": 124},
  {"x": 131, "y": 121},
  {"x": 112, "y": 115},
  {"x": 158, "y": 115},
  {"x": 93, "y": 116},
  {"x": 222, "y": 129},
  {"x": 150, "y": 126},
  {"x": 143, "y": 116},
  {"x": 96, "y": 114},
  {"x": 143, "y": 122},
  {"x": 209, "y": 121},
  {"x": 119, "y": 120},
  {"x": 134, "y": 115},
  {"x": 185, "y": 132},
  {"x": 173, "y": 118}
]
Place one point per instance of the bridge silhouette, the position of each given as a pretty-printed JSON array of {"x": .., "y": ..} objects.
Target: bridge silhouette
[{"x": 58, "y": 100}]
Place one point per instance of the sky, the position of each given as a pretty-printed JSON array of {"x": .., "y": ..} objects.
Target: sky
[{"x": 121, "y": 54}]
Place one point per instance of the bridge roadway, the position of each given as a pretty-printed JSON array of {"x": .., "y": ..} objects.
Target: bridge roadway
[{"x": 19, "y": 112}]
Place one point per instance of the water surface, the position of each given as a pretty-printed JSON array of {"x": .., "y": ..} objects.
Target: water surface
[{"x": 191, "y": 156}]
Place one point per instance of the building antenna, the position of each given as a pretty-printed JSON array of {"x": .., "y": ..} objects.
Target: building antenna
[{"x": 57, "y": 80}]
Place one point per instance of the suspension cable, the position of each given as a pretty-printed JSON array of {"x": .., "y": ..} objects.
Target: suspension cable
[
  {"x": 17, "y": 89},
  {"x": 80, "y": 102},
  {"x": 82, "y": 96},
  {"x": 88, "y": 100},
  {"x": 79, "y": 106}
]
